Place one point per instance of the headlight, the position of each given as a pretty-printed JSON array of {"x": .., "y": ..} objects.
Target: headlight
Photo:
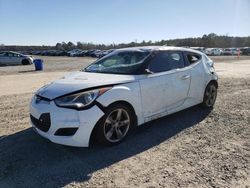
[{"x": 80, "y": 100}]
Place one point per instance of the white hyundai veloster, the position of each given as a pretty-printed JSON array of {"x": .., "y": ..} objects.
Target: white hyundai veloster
[{"x": 126, "y": 88}]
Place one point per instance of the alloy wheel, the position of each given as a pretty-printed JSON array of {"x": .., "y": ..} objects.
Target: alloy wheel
[
  {"x": 211, "y": 94},
  {"x": 116, "y": 125}
]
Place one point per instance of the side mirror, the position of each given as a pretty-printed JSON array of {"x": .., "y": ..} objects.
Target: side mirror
[{"x": 147, "y": 71}]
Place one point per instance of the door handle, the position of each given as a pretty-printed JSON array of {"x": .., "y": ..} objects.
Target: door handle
[{"x": 185, "y": 77}]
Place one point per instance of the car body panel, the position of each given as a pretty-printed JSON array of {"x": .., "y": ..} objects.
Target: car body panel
[
  {"x": 129, "y": 92},
  {"x": 77, "y": 81},
  {"x": 65, "y": 118},
  {"x": 152, "y": 87}
]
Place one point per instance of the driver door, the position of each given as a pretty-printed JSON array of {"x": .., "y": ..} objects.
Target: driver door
[
  {"x": 14, "y": 59},
  {"x": 166, "y": 88}
]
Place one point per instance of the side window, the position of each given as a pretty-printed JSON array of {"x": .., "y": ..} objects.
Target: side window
[
  {"x": 165, "y": 61},
  {"x": 10, "y": 54},
  {"x": 193, "y": 58},
  {"x": 3, "y": 54},
  {"x": 16, "y": 55}
]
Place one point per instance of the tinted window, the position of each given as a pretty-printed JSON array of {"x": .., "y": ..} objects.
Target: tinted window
[
  {"x": 3, "y": 54},
  {"x": 16, "y": 55},
  {"x": 10, "y": 54},
  {"x": 165, "y": 61}
]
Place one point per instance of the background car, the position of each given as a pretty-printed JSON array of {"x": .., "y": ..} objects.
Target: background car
[
  {"x": 14, "y": 58},
  {"x": 105, "y": 52},
  {"x": 213, "y": 51},
  {"x": 201, "y": 49},
  {"x": 245, "y": 51},
  {"x": 75, "y": 52},
  {"x": 231, "y": 51}
]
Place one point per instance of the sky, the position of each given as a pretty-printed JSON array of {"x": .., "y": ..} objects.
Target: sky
[{"x": 46, "y": 22}]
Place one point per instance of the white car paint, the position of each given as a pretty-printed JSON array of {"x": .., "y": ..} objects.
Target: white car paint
[
  {"x": 80, "y": 80},
  {"x": 14, "y": 58},
  {"x": 151, "y": 96}
]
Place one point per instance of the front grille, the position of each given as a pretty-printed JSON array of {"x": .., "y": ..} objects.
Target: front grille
[{"x": 43, "y": 123}]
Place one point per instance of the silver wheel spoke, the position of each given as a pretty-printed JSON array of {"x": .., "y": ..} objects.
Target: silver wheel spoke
[
  {"x": 110, "y": 132},
  {"x": 109, "y": 120},
  {"x": 210, "y": 95},
  {"x": 117, "y": 125},
  {"x": 124, "y": 122},
  {"x": 207, "y": 93},
  {"x": 118, "y": 133},
  {"x": 119, "y": 115},
  {"x": 208, "y": 102}
]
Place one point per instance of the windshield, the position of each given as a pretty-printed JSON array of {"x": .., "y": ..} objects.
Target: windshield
[{"x": 119, "y": 62}]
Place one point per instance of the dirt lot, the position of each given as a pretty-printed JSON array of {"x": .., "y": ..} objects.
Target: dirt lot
[{"x": 192, "y": 148}]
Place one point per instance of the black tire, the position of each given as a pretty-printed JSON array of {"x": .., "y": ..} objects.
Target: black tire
[
  {"x": 108, "y": 123},
  {"x": 25, "y": 62},
  {"x": 210, "y": 95}
]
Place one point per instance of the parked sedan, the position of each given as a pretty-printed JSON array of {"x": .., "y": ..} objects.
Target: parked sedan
[
  {"x": 126, "y": 88},
  {"x": 14, "y": 58}
]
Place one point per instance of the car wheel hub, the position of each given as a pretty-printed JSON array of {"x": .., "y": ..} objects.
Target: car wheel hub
[
  {"x": 211, "y": 95},
  {"x": 116, "y": 125}
]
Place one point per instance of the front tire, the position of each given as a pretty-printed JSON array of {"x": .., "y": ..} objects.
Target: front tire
[
  {"x": 25, "y": 62},
  {"x": 210, "y": 95},
  {"x": 115, "y": 125}
]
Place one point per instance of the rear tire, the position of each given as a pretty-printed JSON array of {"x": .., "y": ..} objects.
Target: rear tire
[
  {"x": 115, "y": 125},
  {"x": 25, "y": 62},
  {"x": 210, "y": 95}
]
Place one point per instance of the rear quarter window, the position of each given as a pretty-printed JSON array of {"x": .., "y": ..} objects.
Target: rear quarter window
[{"x": 192, "y": 58}]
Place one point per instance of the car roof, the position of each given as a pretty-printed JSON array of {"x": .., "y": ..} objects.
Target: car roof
[
  {"x": 9, "y": 52},
  {"x": 159, "y": 48}
]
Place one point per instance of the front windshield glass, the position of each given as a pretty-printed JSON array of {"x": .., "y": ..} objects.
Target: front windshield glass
[{"x": 119, "y": 62}]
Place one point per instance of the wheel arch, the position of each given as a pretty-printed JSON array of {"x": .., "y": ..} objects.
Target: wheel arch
[
  {"x": 122, "y": 102},
  {"x": 25, "y": 61},
  {"x": 215, "y": 82},
  {"x": 127, "y": 104}
]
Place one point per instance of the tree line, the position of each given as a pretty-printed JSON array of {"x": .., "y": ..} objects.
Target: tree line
[{"x": 208, "y": 41}]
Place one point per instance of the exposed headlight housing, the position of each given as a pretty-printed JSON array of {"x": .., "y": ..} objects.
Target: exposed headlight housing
[{"x": 80, "y": 100}]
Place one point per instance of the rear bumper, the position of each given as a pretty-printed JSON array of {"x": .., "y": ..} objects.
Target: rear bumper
[{"x": 84, "y": 121}]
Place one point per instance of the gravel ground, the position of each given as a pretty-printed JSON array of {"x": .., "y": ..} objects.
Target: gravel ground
[{"x": 191, "y": 148}]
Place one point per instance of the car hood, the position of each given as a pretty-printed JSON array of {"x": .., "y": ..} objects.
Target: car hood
[{"x": 78, "y": 81}]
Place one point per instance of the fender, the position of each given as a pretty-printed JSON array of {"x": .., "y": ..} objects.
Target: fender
[{"x": 129, "y": 92}]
